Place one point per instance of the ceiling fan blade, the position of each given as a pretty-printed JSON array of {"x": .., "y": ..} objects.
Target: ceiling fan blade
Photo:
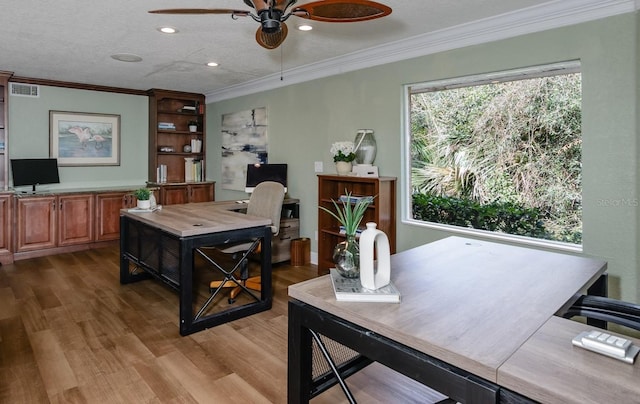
[
  {"x": 342, "y": 10},
  {"x": 274, "y": 39},
  {"x": 242, "y": 13}
]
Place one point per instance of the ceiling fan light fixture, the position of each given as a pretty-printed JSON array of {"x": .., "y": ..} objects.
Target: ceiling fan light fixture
[{"x": 271, "y": 40}]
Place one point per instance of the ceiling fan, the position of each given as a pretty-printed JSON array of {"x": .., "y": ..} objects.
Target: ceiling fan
[{"x": 271, "y": 14}]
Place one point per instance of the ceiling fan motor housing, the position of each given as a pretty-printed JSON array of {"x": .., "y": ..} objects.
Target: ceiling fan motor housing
[{"x": 270, "y": 20}]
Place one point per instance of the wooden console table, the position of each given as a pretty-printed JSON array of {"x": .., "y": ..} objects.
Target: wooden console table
[
  {"x": 162, "y": 243},
  {"x": 467, "y": 306}
]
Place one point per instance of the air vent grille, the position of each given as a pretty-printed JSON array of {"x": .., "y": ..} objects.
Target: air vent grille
[{"x": 25, "y": 90}]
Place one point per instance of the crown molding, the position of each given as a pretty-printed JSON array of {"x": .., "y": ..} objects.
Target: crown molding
[{"x": 550, "y": 15}]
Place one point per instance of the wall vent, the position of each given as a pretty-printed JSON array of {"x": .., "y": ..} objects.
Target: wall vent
[{"x": 25, "y": 90}]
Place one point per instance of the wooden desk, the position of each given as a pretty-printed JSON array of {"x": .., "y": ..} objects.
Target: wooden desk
[
  {"x": 163, "y": 243},
  {"x": 549, "y": 369},
  {"x": 466, "y": 307}
]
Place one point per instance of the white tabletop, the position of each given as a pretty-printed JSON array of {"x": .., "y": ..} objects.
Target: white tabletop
[{"x": 469, "y": 303}]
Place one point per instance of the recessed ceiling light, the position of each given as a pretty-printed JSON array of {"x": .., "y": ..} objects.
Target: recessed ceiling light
[
  {"x": 305, "y": 27},
  {"x": 212, "y": 64},
  {"x": 127, "y": 57},
  {"x": 167, "y": 30}
]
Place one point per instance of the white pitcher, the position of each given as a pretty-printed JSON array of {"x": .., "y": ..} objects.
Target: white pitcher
[{"x": 374, "y": 240}]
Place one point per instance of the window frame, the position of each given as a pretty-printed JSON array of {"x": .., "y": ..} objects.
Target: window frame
[{"x": 551, "y": 69}]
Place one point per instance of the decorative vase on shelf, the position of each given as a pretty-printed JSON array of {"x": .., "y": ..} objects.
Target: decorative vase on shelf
[
  {"x": 343, "y": 167},
  {"x": 346, "y": 256},
  {"x": 365, "y": 147}
]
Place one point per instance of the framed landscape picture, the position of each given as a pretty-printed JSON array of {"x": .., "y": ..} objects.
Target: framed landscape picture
[{"x": 84, "y": 139}]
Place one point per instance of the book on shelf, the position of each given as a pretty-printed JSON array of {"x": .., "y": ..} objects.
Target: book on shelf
[
  {"x": 196, "y": 145},
  {"x": 188, "y": 169},
  {"x": 166, "y": 126},
  {"x": 351, "y": 290},
  {"x": 355, "y": 199},
  {"x": 343, "y": 230},
  {"x": 161, "y": 173},
  {"x": 193, "y": 170}
]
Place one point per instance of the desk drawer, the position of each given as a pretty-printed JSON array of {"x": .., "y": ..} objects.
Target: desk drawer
[{"x": 281, "y": 244}]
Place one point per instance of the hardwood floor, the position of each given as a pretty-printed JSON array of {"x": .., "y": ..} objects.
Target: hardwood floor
[{"x": 70, "y": 333}]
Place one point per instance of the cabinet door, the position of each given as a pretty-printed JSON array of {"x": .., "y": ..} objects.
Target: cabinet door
[
  {"x": 200, "y": 192},
  {"x": 174, "y": 194},
  {"x": 75, "y": 220},
  {"x": 108, "y": 207},
  {"x": 5, "y": 224},
  {"x": 36, "y": 223}
]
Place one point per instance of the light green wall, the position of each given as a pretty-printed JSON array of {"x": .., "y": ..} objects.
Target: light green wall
[
  {"x": 29, "y": 133},
  {"x": 304, "y": 119}
]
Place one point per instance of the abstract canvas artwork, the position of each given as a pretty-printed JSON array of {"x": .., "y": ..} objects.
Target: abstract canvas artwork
[{"x": 244, "y": 141}]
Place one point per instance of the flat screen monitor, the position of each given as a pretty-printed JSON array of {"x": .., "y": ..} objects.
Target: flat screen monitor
[
  {"x": 257, "y": 173},
  {"x": 34, "y": 172}
]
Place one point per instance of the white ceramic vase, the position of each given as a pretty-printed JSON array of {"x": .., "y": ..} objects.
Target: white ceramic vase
[
  {"x": 373, "y": 242},
  {"x": 144, "y": 204},
  {"x": 343, "y": 167}
]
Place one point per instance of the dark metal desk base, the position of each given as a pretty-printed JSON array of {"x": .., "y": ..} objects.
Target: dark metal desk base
[
  {"x": 456, "y": 383},
  {"x": 169, "y": 258}
]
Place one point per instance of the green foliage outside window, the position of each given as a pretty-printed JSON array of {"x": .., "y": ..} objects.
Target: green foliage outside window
[{"x": 501, "y": 151}]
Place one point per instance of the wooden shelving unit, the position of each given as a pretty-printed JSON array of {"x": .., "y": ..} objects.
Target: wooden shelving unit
[
  {"x": 382, "y": 211},
  {"x": 170, "y": 113},
  {"x": 4, "y": 134}
]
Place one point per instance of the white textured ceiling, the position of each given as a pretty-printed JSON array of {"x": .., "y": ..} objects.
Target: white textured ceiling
[{"x": 73, "y": 40}]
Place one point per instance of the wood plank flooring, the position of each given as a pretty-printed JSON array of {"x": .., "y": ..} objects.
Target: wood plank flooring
[{"x": 70, "y": 333}]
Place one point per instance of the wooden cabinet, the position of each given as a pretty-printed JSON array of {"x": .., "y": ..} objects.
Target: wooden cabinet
[
  {"x": 4, "y": 129},
  {"x": 108, "y": 205},
  {"x": 61, "y": 222},
  {"x": 5, "y": 228},
  {"x": 170, "y": 113},
  {"x": 75, "y": 219},
  {"x": 382, "y": 211},
  {"x": 281, "y": 244},
  {"x": 51, "y": 221},
  {"x": 35, "y": 222},
  {"x": 289, "y": 230},
  {"x": 171, "y": 194}
]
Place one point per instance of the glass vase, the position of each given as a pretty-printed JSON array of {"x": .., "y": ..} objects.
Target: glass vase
[
  {"x": 346, "y": 257},
  {"x": 365, "y": 147}
]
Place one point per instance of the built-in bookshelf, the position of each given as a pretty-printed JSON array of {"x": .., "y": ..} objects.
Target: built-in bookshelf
[
  {"x": 177, "y": 149},
  {"x": 4, "y": 124}
]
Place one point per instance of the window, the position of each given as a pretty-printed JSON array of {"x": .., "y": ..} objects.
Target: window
[{"x": 498, "y": 152}]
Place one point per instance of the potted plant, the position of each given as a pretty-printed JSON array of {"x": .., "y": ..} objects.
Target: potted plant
[
  {"x": 193, "y": 126},
  {"x": 343, "y": 156},
  {"x": 143, "y": 196},
  {"x": 346, "y": 254}
]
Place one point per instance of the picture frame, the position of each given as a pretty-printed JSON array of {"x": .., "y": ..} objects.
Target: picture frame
[{"x": 84, "y": 139}]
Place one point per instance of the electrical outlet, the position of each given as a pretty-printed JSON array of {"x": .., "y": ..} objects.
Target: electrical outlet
[{"x": 317, "y": 166}]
